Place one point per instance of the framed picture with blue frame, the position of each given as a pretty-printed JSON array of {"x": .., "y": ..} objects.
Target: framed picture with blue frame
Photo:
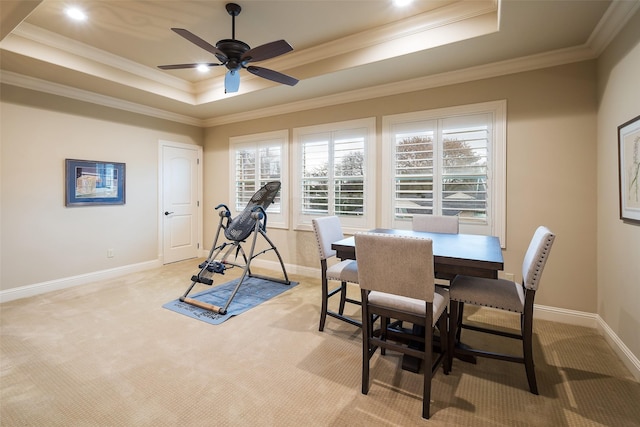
[{"x": 89, "y": 182}]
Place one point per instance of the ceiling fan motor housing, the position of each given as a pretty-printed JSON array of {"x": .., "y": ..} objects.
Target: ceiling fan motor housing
[{"x": 234, "y": 49}]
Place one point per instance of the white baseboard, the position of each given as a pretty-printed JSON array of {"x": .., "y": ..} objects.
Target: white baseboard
[
  {"x": 591, "y": 320},
  {"x": 291, "y": 268},
  {"x": 628, "y": 358},
  {"x": 69, "y": 282},
  {"x": 563, "y": 315}
]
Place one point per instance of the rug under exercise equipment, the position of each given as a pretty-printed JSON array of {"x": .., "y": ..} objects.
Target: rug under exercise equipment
[{"x": 253, "y": 292}]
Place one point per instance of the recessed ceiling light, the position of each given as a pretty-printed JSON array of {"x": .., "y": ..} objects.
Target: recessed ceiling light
[
  {"x": 402, "y": 3},
  {"x": 203, "y": 68},
  {"x": 76, "y": 14}
]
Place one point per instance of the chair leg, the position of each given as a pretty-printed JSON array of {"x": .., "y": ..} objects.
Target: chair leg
[
  {"x": 367, "y": 329},
  {"x": 427, "y": 370},
  {"x": 454, "y": 325},
  {"x": 343, "y": 297},
  {"x": 444, "y": 343},
  {"x": 527, "y": 349},
  {"x": 459, "y": 320},
  {"x": 325, "y": 297},
  {"x": 384, "y": 325}
]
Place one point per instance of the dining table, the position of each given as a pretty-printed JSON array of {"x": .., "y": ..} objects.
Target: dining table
[
  {"x": 468, "y": 254},
  {"x": 453, "y": 254}
]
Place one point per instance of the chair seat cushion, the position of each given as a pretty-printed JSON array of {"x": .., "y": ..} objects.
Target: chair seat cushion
[
  {"x": 412, "y": 305},
  {"x": 344, "y": 271},
  {"x": 496, "y": 293}
]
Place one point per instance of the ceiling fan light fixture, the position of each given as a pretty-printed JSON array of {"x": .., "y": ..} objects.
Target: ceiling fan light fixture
[
  {"x": 232, "y": 81},
  {"x": 203, "y": 68}
]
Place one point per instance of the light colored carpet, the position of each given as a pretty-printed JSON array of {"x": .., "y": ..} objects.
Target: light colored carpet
[{"x": 108, "y": 354}]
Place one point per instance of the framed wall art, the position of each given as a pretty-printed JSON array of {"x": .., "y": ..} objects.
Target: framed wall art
[
  {"x": 629, "y": 170},
  {"x": 90, "y": 182}
]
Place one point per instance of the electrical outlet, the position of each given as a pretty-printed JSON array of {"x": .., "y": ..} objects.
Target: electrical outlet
[
  {"x": 509, "y": 276},
  {"x": 109, "y": 253}
]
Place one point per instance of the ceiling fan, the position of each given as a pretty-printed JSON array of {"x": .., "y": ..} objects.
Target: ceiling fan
[{"x": 235, "y": 55}]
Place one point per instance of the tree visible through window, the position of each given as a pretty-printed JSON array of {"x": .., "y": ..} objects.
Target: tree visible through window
[
  {"x": 456, "y": 169},
  {"x": 449, "y": 161}
]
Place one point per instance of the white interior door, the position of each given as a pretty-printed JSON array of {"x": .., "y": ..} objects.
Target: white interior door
[{"x": 180, "y": 201}]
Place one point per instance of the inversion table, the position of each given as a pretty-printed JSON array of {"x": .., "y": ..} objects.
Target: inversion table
[{"x": 251, "y": 221}]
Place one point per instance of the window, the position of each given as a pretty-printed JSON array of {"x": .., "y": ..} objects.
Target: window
[
  {"x": 446, "y": 162},
  {"x": 334, "y": 173},
  {"x": 256, "y": 160}
]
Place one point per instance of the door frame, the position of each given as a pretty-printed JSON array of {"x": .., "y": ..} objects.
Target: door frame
[{"x": 165, "y": 143}]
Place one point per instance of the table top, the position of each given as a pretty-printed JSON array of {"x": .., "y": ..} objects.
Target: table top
[{"x": 470, "y": 254}]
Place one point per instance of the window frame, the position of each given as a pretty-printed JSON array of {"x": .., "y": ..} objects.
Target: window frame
[
  {"x": 256, "y": 141},
  {"x": 496, "y": 173},
  {"x": 302, "y": 221}
]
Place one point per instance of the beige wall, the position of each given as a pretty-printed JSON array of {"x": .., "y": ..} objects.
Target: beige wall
[
  {"x": 551, "y": 163},
  {"x": 42, "y": 240},
  {"x": 618, "y": 243}
]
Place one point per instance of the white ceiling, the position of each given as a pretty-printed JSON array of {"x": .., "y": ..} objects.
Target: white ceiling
[{"x": 343, "y": 50}]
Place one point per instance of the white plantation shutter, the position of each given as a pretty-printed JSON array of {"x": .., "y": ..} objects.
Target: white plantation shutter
[
  {"x": 335, "y": 173},
  {"x": 446, "y": 162},
  {"x": 258, "y": 159}
]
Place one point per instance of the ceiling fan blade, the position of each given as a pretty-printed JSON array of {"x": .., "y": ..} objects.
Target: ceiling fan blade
[
  {"x": 266, "y": 51},
  {"x": 232, "y": 81},
  {"x": 201, "y": 43},
  {"x": 181, "y": 66},
  {"x": 275, "y": 76}
]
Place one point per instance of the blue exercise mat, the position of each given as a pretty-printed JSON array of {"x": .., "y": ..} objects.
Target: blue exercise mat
[{"x": 253, "y": 292}]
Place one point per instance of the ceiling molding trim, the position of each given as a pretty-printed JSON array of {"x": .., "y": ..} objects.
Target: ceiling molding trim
[
  {"x": 613, "y": 20},
  {"x": 437, "y": 18},
  {"x": 50, "y": 39},
  {"x": 32, "y": 83},
  {"x": 496, "y": 69}
]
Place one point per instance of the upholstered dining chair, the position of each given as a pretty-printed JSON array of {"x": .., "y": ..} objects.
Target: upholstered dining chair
[
  {"x": 328, "y": 229},
  {"x": 505, "y": 295},
  {"x": 396, "y": 282},
  {"x": 435, "y": 223}
]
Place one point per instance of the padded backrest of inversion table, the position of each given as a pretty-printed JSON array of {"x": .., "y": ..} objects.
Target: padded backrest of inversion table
[{"x": 241, "y": 226}]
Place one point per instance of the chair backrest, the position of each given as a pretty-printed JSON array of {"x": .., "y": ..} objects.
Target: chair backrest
[
  {"x": 328, "y": 229},
  {"x": 536, "y": 257},
  {"x": 243, "y": 225},
  {"x": 435, "y": 223},
  {"x": 393, "y": 264}
]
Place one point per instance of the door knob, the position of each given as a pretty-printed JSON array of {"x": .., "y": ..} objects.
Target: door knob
[{"x": 168, "y": 213}]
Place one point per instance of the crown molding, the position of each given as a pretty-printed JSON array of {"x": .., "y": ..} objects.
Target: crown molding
[
  {"x": 416, "y": 25},
  {"x": 47, "y": 38},
  {"x": 496, "y": 69},
  {"x": 614, "y": 19},
  {"x": 32, "y": 83}
]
